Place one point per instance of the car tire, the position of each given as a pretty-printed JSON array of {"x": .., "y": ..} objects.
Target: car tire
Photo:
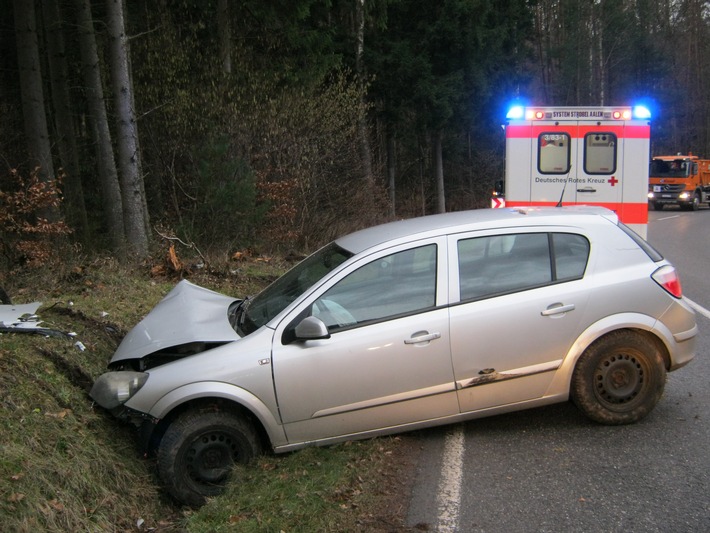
[
  {"x": 619, "y": 379},
  {"x": 696, "y": 202},
  {"x": 198, "y": 451},
  {"x": 657, "y": 206}
]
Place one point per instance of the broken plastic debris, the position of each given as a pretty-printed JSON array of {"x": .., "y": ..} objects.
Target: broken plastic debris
[
  {"x": 80, "y": 345},
  {"x": 22, "y": 319},
  {"x": 19, "y": 316}
]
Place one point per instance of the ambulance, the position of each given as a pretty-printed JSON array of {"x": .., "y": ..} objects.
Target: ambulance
[{"x": 579, "y": 156}]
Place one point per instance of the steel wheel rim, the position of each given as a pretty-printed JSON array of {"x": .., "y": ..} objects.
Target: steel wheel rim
[
  {"x": 619, "y": 379},
  {"x": 210, "y": 457}
]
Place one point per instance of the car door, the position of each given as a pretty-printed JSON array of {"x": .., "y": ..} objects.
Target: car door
[
  {"x": 387, "y": 361},
  {"x": 520, "y": 300}
]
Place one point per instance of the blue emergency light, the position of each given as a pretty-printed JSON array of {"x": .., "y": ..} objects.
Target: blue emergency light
[
  {"x": 641, "y": 112},
  {"x": 516, "y": 112}
]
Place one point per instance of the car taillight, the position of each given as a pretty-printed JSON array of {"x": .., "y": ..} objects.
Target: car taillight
[{"x": 667, "y": 278}]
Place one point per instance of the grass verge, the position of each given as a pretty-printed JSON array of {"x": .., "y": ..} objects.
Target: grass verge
[{"x": 67, "y": 466}]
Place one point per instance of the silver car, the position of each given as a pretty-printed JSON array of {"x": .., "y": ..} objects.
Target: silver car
[{"x": 407, "y": 325}]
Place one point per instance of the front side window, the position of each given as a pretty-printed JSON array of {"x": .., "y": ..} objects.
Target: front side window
[
  {"x": 600, "y": 153},
  {"x": 501, "y": 264},
  {"x": 394, "y": 285},
  {"x": 553, "y": 153}
]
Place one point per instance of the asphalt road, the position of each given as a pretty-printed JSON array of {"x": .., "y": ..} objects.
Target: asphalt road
[{"x": 551, "y": 469}]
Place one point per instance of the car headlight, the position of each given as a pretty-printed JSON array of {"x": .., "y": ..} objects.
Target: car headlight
[
  {"x": 684, "y": 195},
  {"x": 115, "y": 388}
]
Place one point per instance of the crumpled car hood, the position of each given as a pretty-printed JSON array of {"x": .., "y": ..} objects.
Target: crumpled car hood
[{"x": 188, "y": 313}]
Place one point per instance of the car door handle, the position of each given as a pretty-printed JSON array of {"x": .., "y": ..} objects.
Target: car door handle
[
  {"x": 587, "y": 189},
  {"x": 422, "y": 336},
  {"x": 557, "y": 309}
]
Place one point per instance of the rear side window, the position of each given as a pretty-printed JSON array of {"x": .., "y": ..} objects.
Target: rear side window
[{"x": 501, "y": 264}]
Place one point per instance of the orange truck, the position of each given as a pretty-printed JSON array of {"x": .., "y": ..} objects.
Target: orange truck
[{"x": 682, "y": 180}]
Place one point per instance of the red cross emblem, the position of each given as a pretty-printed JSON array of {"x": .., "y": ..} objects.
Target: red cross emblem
[{"x": 613, "y": 181}]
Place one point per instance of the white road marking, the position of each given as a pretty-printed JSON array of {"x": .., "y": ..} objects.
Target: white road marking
[
  {"x": 698, "y": 308},
  {"x": 670, "y": 217},
  {"x": 449, "y": 491}
]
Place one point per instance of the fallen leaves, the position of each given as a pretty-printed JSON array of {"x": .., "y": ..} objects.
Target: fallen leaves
[
  {"x": 60, "y": 415},
  {"x": 16, "y": 497}
]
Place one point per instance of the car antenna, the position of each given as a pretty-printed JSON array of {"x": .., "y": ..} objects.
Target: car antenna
[{"x": 559, "y": 204}]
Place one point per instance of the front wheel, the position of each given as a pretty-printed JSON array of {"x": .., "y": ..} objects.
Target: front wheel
[
  {"x": 198, "y": 451},
  {"x": 619, "y": 378},
  {"x": 696, "y": 202}
]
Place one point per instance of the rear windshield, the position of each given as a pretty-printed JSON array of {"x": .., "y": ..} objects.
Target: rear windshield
[{"x": 654, "y": 254}]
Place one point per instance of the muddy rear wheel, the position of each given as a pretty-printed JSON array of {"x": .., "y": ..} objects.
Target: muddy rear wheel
[{"x": 619, "y": 379}]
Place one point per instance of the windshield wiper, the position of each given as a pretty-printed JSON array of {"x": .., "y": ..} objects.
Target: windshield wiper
[{"x": 242, "y": 310}]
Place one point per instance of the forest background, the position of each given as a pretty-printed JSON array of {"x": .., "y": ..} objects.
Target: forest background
[{"x": 280, "y": 124}]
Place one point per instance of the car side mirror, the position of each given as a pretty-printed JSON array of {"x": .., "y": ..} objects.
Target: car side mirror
[{"x": 311, "y": 328}]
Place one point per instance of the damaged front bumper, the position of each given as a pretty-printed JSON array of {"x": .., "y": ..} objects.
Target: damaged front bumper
[
  {"x": 144, "y": 424},
  {"x": 112, "y": 389}
]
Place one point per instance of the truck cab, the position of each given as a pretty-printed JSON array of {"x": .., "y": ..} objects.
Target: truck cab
[{"x": 682, "y": 180}]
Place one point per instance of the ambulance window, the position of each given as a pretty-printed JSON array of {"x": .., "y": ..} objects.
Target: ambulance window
[
  {"x": 553, "y": 151},
  {"x": 600, "y": 153}
]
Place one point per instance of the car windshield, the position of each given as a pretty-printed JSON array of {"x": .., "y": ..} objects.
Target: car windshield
[{"x": 276, "y": 297}]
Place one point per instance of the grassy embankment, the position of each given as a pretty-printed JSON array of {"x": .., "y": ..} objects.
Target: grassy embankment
[{"x": 65, "y": 465}]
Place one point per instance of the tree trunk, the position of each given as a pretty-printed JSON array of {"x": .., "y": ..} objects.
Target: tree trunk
[
  {"x": 110, "y": 189},
  {"x": 35, "y": 118},
  {"x": 224, "y": 33},
  {"x": 63, "y": 119},
  {"x": 391, "y": 170},
  {"x": 439, "y": 161},
  {"x": 128, "y": 153},
  {"x": 365, "y": 153}
]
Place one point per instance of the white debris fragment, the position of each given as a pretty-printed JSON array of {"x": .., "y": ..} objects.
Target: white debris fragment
[
  {"x": 80, "y": 345},
  {"x": 19, "y": 316}
]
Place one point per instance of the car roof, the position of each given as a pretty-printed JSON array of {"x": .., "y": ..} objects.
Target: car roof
[{"x": 479, "y": 219}]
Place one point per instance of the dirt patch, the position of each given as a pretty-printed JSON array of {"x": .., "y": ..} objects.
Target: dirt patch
[{"x": 394, "y": 484}]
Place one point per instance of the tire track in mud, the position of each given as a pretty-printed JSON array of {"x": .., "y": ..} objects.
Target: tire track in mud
[{"x": 76, "y": 375}]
